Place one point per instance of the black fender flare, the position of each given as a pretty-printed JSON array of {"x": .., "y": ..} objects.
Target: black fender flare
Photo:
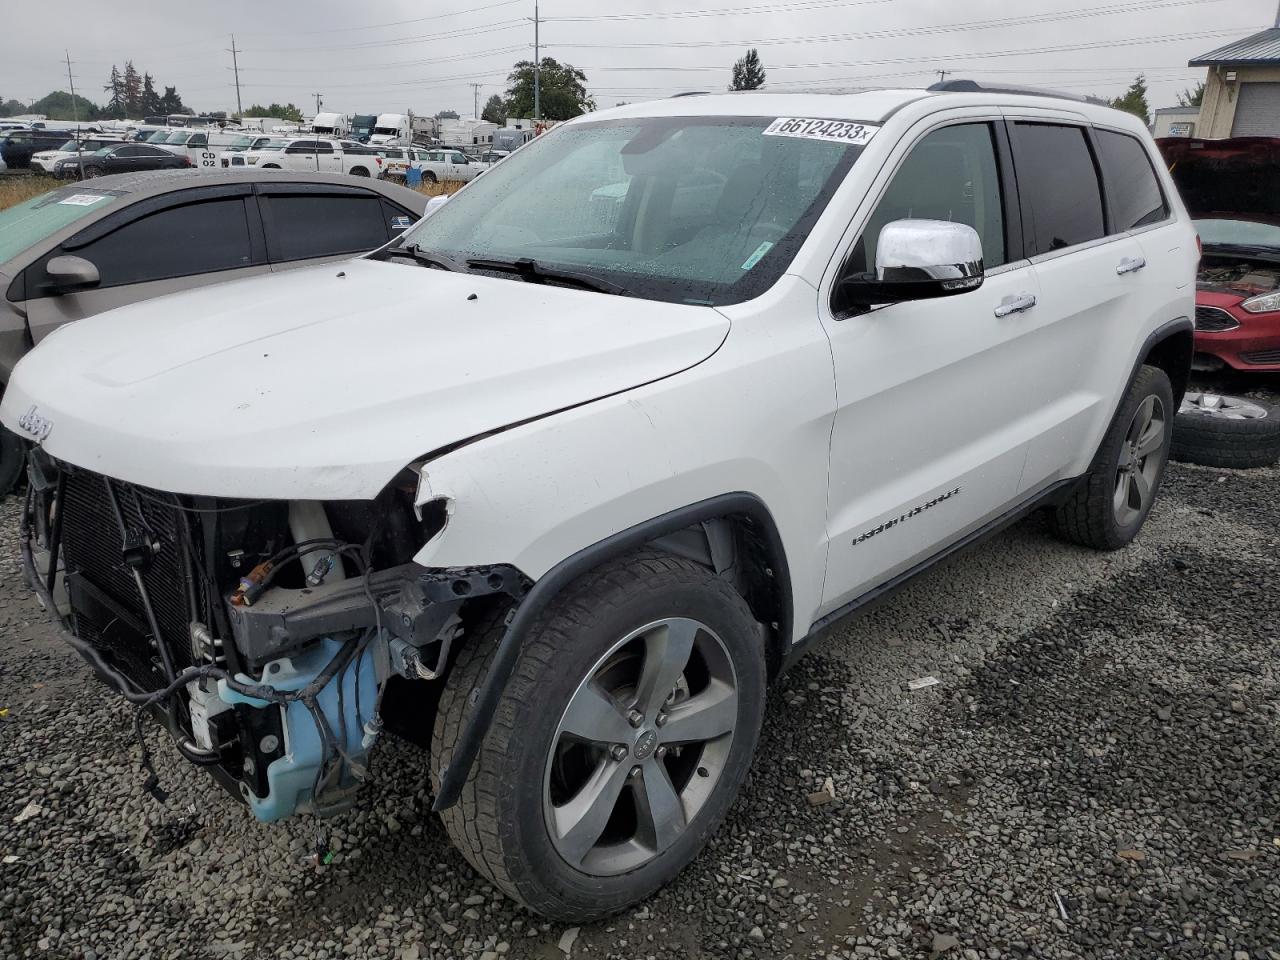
[{"x": 569, "y": 569}]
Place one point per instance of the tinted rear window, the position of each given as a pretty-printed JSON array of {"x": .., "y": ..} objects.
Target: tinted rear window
[
  {"x": 1058, "y": 183},
  {"x": 1132, "y": 187},
  {"x": 317, "y": 225}
]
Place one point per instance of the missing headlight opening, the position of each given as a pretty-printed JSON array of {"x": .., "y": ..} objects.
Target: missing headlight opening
[{"x": 262, "y": 634}]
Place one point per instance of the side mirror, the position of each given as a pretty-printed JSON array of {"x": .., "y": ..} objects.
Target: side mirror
[
  {"x": 67, "y": 274},
  {"x": 917, "y": 260}
]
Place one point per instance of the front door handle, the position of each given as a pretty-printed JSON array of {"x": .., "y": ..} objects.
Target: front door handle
[
  {"x": 1130, "y": 265},
  {"x": 1018, "y": 304}
]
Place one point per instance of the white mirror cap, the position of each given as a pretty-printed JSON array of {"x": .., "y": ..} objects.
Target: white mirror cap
[
  {"x": 434, "y": 204},
  {"x": 939, "y": 249}
]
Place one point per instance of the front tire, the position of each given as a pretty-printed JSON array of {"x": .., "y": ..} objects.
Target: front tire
[
  {"x": 428, "y": 177},
  {"x": 619, "y": 743},
  {"x": 359, "y": 172},
  {"x": 1114, "y": 498}
]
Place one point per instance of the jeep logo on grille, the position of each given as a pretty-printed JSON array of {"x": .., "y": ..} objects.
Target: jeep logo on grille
[{"x": 36, "y": 425}]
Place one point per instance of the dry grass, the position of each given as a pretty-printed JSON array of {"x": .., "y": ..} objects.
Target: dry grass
[
  {"x": 448, "y": 187},
  {"x": 15, "y": 189}
]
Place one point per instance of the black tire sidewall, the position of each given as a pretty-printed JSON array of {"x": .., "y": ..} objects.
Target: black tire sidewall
[
  {"x": 13, "y": 457},
  {"x": 1149, "y": 381},
  {"x": 1217, "y": 442},
  {"x": 538, "y": 869}
]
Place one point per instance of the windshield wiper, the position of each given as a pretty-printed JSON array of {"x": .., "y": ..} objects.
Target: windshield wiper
[
  {"x": 531, "y": 271},
  {"x": 424, "y": 257}
]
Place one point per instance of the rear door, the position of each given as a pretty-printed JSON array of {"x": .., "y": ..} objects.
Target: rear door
[
  {"x": 301, "y": 155},
  {"x": 309, "y": 223},
  {"x": 1091, "y": 276},
  {"x": 180, "y": 240},
  {"x": 202, "y": 157}
]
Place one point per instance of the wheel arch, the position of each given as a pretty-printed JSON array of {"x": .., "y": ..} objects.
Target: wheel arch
[
  {"x": 733, "y": 533},
  {"x": 1170, "y": 348}
]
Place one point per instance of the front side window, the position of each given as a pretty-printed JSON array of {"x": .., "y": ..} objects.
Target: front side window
[
  {"x": 1135, "y": 194},
  {"x": 952, "y": 174},
  {"x": 1058, "y": 183},
  {"x": 707, "y": 210},
  {"x": 178, "y": 242}
]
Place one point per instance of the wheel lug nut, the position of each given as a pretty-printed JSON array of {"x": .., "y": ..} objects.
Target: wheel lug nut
[
  {"x": 662, "y": 752},
  {"x": 661, "y": 719},
  {"x": 635, "y": 718},
  {"x": 618, "y": 752},
  {"x": 635, "y": 771}
]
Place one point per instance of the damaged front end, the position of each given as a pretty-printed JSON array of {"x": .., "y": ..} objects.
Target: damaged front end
[{"x": 261, "y": 633}]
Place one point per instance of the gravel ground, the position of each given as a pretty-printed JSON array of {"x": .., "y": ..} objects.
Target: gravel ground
[{"x": 1097, "y": 774}]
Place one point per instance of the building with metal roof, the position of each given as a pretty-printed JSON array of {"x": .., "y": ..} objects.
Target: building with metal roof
[{"x": 1242, "y": 88}]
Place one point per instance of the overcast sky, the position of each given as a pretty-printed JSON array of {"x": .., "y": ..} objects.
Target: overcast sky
[{"x": 395, "y": 55}]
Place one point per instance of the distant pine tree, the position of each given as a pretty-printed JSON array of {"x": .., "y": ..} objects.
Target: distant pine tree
[{"x": 748, "y": 74}]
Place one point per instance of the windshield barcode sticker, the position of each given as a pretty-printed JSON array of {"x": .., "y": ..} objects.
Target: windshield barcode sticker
[
  {"x": 82, "y": 199},
  {"x": 758, "y": 255},
  {"x": 836, "y": 131}
]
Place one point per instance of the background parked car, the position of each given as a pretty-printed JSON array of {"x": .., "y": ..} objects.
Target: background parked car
[
  {"x": 309, "y": 154},
  {"x": 85, "y": 248},
  {"x": 448, "y": 165},
  {"x": 1232, "y": 190},
  {"x": 120, "y": 158},
  {"x": 47, "y": 160},
  {"x": 17, "y": 146}
]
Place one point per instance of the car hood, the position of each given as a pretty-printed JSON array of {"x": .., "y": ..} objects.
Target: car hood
[
  {"x": 324, "y": 382},
  {"x": 1237, "y": 178}
]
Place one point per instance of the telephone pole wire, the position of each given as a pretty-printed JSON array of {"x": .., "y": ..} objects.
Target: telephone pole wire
[{"x": 235, "y": 65}]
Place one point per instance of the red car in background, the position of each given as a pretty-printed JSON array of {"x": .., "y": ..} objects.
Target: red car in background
[{"x": 1232, "y": 191}]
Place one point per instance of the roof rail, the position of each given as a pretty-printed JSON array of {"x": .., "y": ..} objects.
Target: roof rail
[{"x": 973, "y": 86}]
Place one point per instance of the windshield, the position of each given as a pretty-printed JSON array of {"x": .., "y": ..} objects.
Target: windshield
[
  {"x": 684, "y": 209},
  {"x": 40, "y": 217},
  {"x": 156, "y": 136},
  {"x": 177, "y": 138},
  {"x": 241, "y": 143},
  {"x": 272, "y": 145},
  {"x": 1238, "y": 233},
  {"x": 69, "y": 146}
]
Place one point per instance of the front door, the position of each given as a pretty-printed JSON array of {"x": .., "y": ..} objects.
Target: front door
[{"x": 931, "y": 425}]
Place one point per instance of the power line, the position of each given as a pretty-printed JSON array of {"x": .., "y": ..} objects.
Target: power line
[
  {"x": 458, "y": 34},
  {"x": 392, "y": 23},
  {"x": 801, "y": 7},
  {"x": 988, "y": 24}
]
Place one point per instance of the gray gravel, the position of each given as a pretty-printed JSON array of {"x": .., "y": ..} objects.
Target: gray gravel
[{"x": 1097, "y": 774}]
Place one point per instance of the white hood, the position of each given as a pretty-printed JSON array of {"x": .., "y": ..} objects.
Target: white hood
[{"x": 323, "y": 382}]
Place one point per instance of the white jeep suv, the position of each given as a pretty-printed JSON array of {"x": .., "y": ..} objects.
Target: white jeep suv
[{"x": 555, "y": 486}]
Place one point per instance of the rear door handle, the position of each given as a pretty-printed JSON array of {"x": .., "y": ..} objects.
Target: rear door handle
[
  {"x": 1130, "y": 265},
  {"x": 1018, "y": 304}
]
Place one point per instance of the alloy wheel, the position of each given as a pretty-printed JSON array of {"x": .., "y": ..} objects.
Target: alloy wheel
[
  {"x": 1222, "y": 407},
  {"x": 1141, "y": 458},
  {"x": 640, "y": 747}
]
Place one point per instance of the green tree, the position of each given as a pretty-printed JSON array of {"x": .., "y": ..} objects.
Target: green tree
[
  {"x": 115, "y": 87},
  {"x": 281, "y": 112},
  {"x": 1134, "y": 100},
  {"x": 12, "y": 108},
  {"x": 563, "y": 91},
  {"x": 1193, "y": 97},
  {"x": 131, "y": 90},
  {"x": 495, "y": 111},
  {"x": 150, "y": 99},
  {"x": 748, "y": 74},
  {"x": 447, "y": 115},
  {"x": 58, "y": 106}
]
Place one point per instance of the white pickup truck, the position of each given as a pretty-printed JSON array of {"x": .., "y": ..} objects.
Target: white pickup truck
[
  {"x": 311, "y": 154},
  {"x": 448, "y": 164}
]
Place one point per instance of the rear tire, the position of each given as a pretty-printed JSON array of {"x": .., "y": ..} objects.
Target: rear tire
[
  {"x": 1114, "y": 498},
  {"x": 428, "y": 177},
  {"x": 13, "y": 458},
  {"x": 359, "y": 172},
  {"x": 1219, "y": 431},
  {"x": 579, "y": 813}
]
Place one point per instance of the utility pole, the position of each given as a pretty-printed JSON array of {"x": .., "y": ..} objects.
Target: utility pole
[
  {"x": 75, "y": 112},
  {"x": 537, "y": 68},
  {"x": 942, "y": 75},
  {"x": 318, "y": 101},
  {"x": 475, "y": 96},
  {"x": 235, "y": 65}
]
